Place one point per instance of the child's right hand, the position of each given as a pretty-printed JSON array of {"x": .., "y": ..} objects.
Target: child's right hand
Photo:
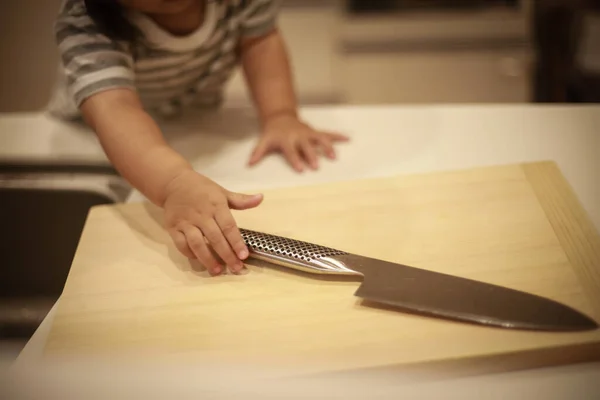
[{"x": 197, "y": 215}]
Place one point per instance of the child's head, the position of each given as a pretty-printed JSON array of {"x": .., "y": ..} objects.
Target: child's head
[
  {"x": 158, "y": 6},
  {"x": 109, "y": 15}
]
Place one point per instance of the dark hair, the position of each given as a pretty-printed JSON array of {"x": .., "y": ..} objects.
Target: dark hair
[{"x": 110, "y": 17}]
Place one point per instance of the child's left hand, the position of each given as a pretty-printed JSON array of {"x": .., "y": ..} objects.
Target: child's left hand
[{"x": 299, "y": 143}]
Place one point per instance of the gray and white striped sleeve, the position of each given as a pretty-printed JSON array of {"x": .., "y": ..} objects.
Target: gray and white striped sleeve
[
  {"x": 259, "y": 17},
  {"x": 92, "y": 62}
]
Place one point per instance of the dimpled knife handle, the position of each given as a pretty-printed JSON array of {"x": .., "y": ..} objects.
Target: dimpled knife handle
[{"x": 295, "y": 254}]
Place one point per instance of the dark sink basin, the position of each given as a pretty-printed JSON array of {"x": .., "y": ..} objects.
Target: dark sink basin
[{"x": 43, "y": 208}]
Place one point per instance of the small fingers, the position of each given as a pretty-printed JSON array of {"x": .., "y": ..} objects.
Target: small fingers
[
  {"x": 260, "y": 151},
  {"x": 229, "y": 228},
  {"x": 309, "y": 152},
  {"x": 291, "y": 154},
  {"x": 181, "y": 243},
  {"x": 326, "y": 146},
  {"x": 214, "y": 235},
  {"x": 196, "y": 242},
  {"x": 337, "y": 137}
]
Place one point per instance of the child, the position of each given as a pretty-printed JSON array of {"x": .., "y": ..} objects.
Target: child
[{"x": 124, "y": 62}]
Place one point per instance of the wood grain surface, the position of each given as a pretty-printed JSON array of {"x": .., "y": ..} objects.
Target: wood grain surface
[
  {"x": 130, "y": 292},
  {"x": 578, "y": 236}
]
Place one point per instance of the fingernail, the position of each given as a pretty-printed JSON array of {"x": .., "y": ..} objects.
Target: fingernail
[
  {"x": 243, "y": 254},
  {"x": 217, "y": 270}
]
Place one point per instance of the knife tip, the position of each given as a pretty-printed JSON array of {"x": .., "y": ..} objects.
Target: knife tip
[
  {"x": 585, "y": 323},
  {"x": 567, "y": 320},
  {"x": 570, "y": 319},
  {"x": 574, "y": 321}
]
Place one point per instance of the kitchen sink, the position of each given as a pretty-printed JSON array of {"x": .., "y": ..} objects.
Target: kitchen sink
[{"x": 43, "y": 207}]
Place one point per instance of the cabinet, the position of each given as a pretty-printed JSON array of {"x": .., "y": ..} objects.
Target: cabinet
[
  {"x": 438, "y": 77},
  {"x": 437, "y": 57}
]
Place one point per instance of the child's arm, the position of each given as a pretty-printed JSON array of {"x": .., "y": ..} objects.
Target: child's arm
[
  {"x": 100, "y": 79},
  {"x": 268, "y": 74},
  {"x": 195, "y": 207},
  {"x": 133, "y": 142}
]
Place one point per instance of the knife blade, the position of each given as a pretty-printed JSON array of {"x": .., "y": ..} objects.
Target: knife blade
[{"x": 420, "y": 291}]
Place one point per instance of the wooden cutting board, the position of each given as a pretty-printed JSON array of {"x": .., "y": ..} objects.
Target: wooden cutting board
[{"x": 130, "y": 292}]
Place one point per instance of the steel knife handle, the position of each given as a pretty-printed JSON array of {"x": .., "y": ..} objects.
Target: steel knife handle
[{"x": 295, "y": 254}]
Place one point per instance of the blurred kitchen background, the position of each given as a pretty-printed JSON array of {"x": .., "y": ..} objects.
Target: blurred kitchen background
[{"x": 377, "y": 51}]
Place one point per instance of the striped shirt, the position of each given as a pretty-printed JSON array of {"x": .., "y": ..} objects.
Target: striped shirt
[{"x": 168, "y": 72}]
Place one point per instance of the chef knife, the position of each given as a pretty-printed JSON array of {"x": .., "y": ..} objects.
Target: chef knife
[{"x": 421, "y": 291}]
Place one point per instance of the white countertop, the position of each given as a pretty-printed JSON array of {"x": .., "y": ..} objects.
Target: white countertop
[{"x": 385, "y": 140}]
